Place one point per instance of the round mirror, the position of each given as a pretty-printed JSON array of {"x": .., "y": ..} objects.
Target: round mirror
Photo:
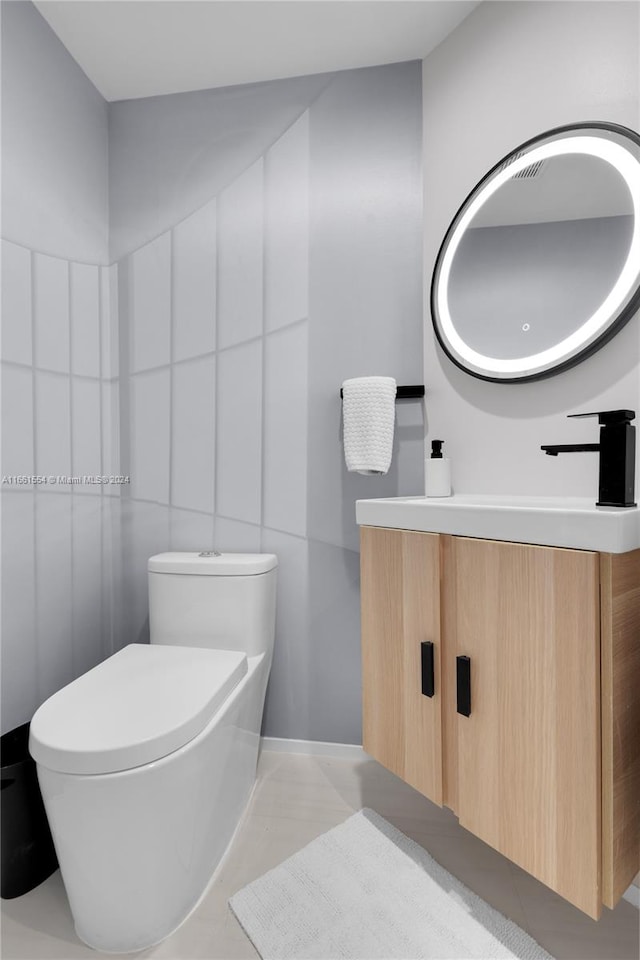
[{"x": 541, "y": 264}]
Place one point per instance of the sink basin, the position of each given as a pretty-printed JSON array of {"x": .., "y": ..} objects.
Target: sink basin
[{"x": 573, "y": 522}]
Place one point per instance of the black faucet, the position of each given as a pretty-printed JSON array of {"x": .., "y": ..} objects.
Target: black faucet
[{"x": 617, "y": 447}]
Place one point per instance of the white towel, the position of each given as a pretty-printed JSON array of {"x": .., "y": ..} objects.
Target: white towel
[{"x": 369, "y": 413}]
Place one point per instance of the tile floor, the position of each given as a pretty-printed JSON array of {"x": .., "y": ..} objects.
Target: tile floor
[{"x": 296, "y": 799}]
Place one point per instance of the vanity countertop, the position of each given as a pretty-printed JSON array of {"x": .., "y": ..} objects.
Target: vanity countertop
[{"x": 573, "y": 522}]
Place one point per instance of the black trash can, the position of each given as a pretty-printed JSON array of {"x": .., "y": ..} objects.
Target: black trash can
[{"x": 27, "y": 853}]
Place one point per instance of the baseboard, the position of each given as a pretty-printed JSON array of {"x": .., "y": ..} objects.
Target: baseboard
[
  {"x": 632, "y": 895},
  {"x": 314, "y": 748}
]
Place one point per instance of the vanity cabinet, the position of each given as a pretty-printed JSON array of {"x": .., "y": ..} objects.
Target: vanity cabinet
[{"x": 540, "y": 646}]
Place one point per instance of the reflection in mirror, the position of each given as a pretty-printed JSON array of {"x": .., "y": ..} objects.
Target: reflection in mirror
[{"x": 541, "y": 264}]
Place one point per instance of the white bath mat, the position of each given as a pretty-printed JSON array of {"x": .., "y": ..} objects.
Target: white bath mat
[{"x": 364, "y": 891}]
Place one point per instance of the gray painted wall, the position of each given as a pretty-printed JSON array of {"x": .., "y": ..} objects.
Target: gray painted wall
[
  {"x": 60, "y": 550},
  {"x": 509, "y": 72},
  {"x": 238, "y": 325},
  {"x": 365, "y": 292},
  {"x": 54, "y": 144}
]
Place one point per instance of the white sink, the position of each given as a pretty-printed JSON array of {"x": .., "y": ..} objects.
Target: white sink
[{"x": 552, "y": 521}]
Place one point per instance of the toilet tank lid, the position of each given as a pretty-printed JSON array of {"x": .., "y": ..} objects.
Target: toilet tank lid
[{"x": 213, "y": 564}]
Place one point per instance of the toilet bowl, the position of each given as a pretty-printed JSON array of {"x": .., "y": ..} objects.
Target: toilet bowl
[{"x": 146, "y": 762}]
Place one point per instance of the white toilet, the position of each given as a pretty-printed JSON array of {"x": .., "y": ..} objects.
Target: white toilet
[{"x": 147, "y": 761}]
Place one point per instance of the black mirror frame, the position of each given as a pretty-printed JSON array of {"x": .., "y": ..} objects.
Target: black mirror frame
[{"x": 625, "y": 314}]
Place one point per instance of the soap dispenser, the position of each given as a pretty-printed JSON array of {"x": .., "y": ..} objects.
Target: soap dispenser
[{"x": 437, "y": 470}]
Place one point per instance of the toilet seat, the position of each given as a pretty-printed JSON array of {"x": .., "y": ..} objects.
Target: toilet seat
[{"x": 137, "y": 706}]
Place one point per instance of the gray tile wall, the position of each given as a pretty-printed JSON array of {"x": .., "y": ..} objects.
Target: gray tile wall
[
  {"x": 60, "y": 541},
  {"x": 240, "y": 324},
  {"x": 217, "y": 404}
]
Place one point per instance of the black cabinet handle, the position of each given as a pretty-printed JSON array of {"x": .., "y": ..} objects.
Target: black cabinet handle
[
  {"x": 463, "y": 685},
  {"x": 428, "y": 676}
]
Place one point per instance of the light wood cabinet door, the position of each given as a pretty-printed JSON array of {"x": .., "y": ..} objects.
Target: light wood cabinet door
[
  {"x": 528, "y": 755},
  {"x": 400, "y": 590},
  {"x": 620, "y": 664}
]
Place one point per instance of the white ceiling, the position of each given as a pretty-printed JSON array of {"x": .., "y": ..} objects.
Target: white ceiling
[{"x": 142, "y": 48}]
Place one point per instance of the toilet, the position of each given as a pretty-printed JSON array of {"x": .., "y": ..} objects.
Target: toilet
[{"x": 146, "y": 762}]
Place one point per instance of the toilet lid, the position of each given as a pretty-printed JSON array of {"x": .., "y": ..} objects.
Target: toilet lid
[{"x": 141, "y": 704}]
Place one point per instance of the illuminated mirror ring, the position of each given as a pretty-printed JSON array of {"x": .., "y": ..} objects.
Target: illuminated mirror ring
[{"x": 505, "y": 306}]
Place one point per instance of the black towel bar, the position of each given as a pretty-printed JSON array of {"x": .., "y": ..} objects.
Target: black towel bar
[{"x": 414, "y": 392}]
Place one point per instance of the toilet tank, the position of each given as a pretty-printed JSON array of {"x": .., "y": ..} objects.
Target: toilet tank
[{"x": 219, "y": 601}]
